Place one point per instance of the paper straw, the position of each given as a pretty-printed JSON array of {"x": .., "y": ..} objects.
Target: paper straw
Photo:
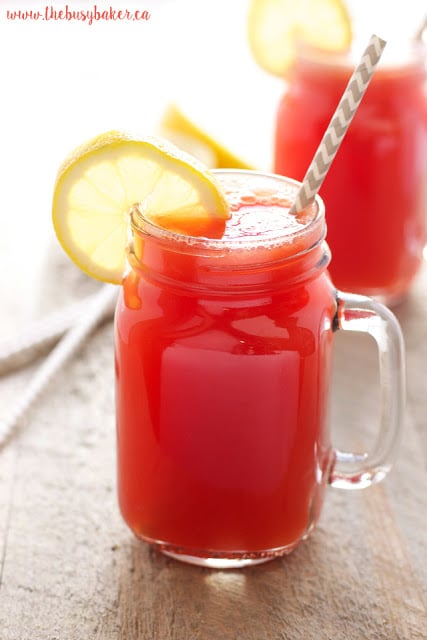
[
  {"x": 69, "y": 344},
  {"x": 339, "y": 124}
]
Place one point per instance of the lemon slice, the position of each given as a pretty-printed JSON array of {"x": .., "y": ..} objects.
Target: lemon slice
[
  {"x": 99, "y": 183},
  {"x": 191, "y": 144},
  {"x": 175, "y": 120},
  {"x": 276, "y": 26}
]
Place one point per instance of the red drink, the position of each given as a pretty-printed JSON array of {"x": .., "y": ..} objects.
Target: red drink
[
  {"x": 374, "y": 192},
  {"x": 223, "y": 353}
]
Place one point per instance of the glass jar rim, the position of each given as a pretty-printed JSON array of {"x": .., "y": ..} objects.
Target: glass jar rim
[
  {"x": 141, "y": 223},
  {"x": 402, "y": 54}
]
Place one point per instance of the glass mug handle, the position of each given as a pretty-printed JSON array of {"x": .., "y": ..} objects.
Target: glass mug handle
[{"x": 363, "y": 314}]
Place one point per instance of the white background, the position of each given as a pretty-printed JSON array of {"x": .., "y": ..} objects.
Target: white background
[{"x": 63, "y": 82}]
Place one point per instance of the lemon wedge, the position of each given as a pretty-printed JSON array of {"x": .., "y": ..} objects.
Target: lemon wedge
[
  {"x": 276, "y": 26},
  {"x": 177, "y": 122},
  {"x": 192, "y": 145},
  {"x": 98, "y": 184}
]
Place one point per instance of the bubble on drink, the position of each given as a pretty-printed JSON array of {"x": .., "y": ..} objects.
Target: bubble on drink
[{"x": 263, "y": 211}]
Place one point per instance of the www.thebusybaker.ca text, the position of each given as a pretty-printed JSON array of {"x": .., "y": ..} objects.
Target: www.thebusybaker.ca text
[{"x": 95, "y": 14}]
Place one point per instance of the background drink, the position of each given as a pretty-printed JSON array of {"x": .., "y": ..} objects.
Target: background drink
[
  {"x": 223, "y": 357},
  {"x": 375, "y": 192}
]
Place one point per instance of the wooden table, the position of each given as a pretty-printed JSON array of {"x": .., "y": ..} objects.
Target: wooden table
[{"x": 70, "y": 569}]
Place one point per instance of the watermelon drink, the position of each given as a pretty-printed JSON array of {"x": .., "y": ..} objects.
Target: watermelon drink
[
  {"x": 374, "y": 192},
  {"x": 223, "y": 365}
]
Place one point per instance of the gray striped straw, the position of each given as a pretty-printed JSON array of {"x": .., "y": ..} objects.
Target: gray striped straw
[{"x": 339, "y": 124}]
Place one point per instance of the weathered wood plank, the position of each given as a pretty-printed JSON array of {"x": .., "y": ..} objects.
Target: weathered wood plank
[{"x": 70, "y": 568}]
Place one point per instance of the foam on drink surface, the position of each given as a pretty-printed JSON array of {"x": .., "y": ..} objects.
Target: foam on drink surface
[{"x": 261, "y": 210}]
